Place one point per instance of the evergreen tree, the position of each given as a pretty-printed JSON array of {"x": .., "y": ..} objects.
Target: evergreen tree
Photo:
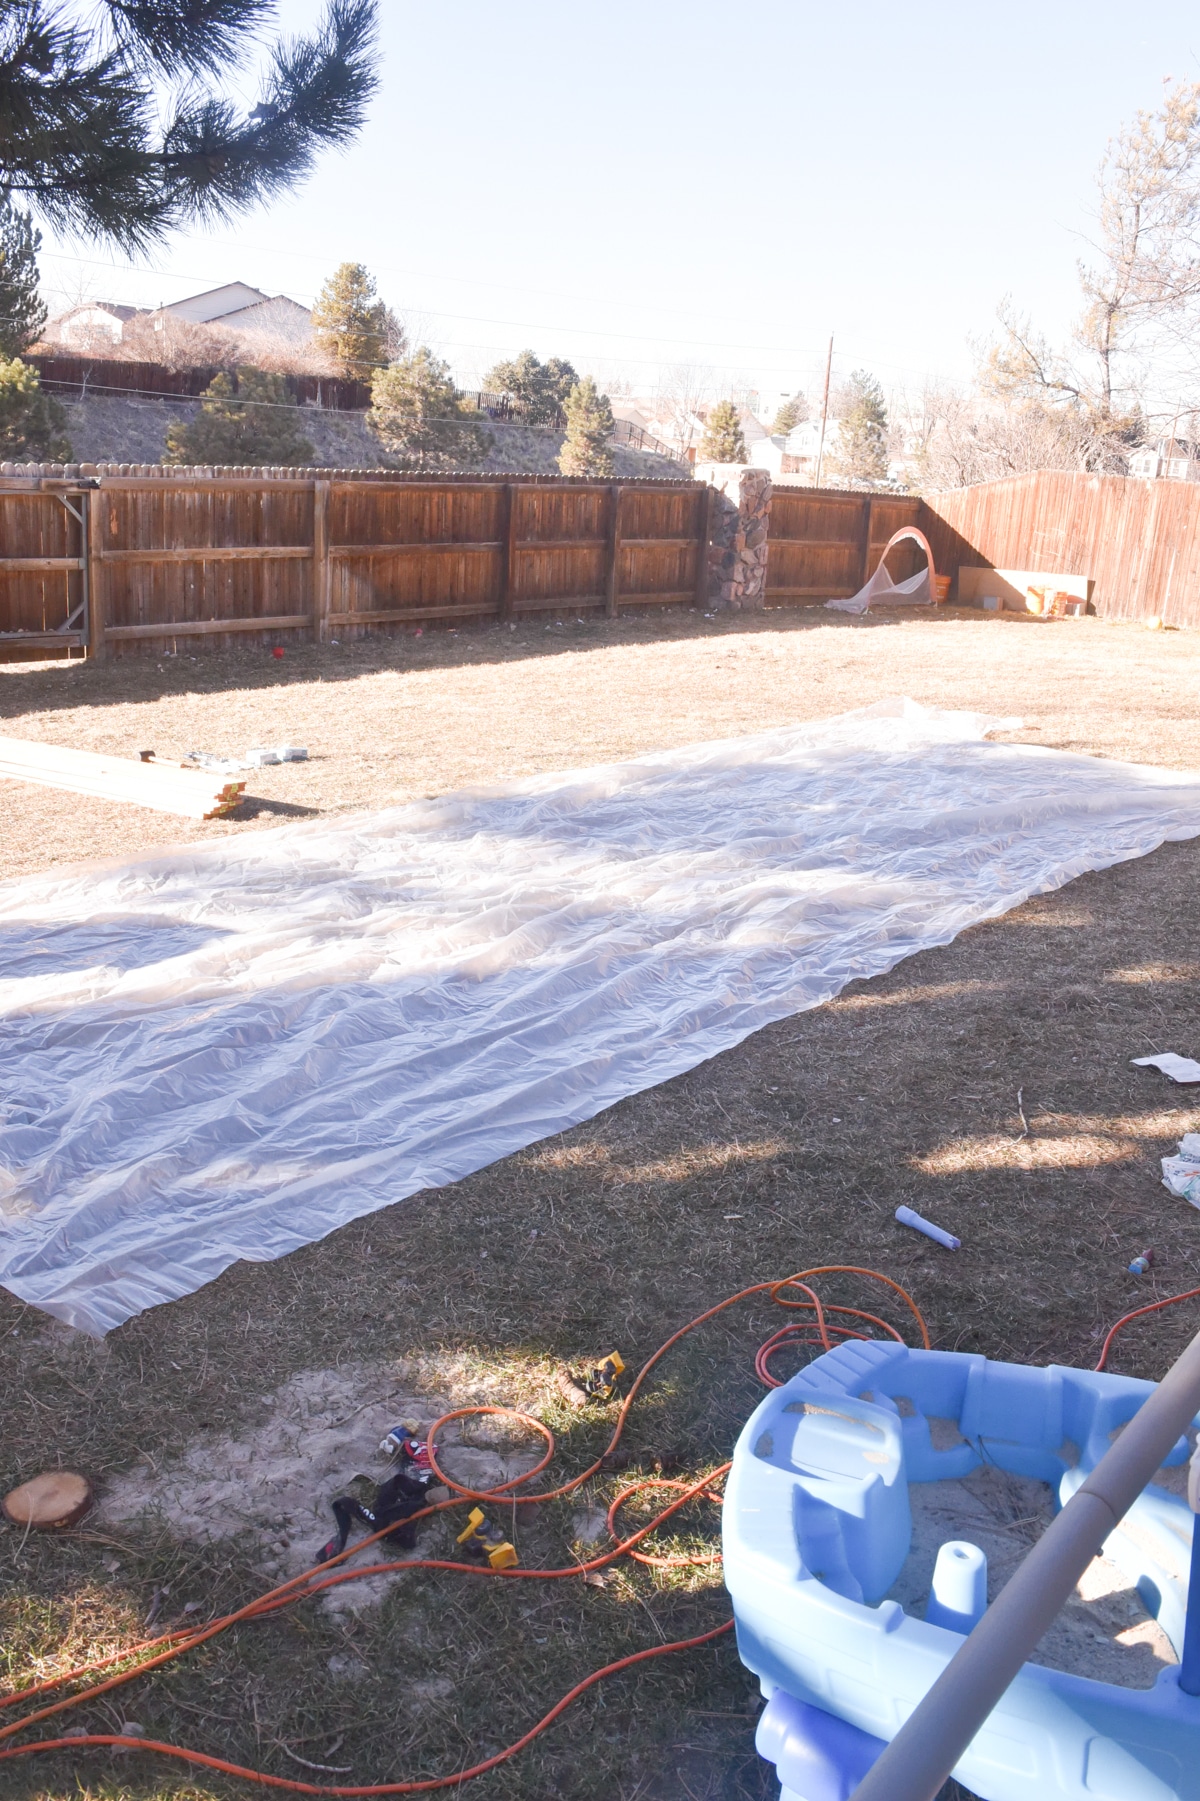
[
  {"x": 352, "y": 325},
  {"x": 417, "y": 415},
  {"x": 108, "y": 129},
  {"x": 793, "y": 412},
  {"x": 542, "y": 388},
  {"x": 254, "y": 424},
  {"x": 586, "y": 448},
  {"x": 22, "y": 310},
  {"x": 722, "y": 441},
  {"x": 31, "y": 423},
  {"x": 861, "y": 449}
]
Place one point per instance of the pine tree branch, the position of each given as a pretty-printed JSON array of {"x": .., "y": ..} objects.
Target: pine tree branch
[{"x": 77, "y": 113}]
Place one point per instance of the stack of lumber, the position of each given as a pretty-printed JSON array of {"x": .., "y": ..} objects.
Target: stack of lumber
[{"x": 168, "y": 788}]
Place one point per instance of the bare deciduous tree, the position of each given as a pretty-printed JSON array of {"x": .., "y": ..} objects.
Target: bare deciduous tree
[
  {"x": 1141, "y": 287},
  {"x": 684, "y": 392},
  {"x": 957, "y": 436}
]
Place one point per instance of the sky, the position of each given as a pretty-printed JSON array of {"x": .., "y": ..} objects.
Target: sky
[{"x": 651, "y": 183}]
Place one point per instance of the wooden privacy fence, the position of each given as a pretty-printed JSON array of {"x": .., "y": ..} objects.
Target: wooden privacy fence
[
  {"x": 115, "y": 560},
  {"x": 1139, "y": 540},
  {"x": 825, "y": 542},
  {"x": 118, "y": 557},
  {"x": 75, "y": 377}
]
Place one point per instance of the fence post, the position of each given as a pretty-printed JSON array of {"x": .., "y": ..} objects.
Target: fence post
[
  {"x": 613, "y": 589},
  {"x": 508, "y": 571},
  {"x": 704, "y": 524},
  {"x": 97, "y": 586},
  {"x": 320, "y": 561},
  {"x": 864, "y": 566}
]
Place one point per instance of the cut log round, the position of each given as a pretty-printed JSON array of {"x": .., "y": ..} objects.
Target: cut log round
[{"x": 56, "y": 1499}]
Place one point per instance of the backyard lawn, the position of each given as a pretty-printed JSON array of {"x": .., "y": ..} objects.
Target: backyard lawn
[{"x": 209, "y": 1424}]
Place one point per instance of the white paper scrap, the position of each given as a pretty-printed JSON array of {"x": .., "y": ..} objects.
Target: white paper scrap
[{"x": 1180, "y": 1069}]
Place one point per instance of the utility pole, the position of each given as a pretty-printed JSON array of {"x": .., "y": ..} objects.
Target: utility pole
[
  {"x": 1171, "y": 439},
  {"x": 824, "y": 411}
]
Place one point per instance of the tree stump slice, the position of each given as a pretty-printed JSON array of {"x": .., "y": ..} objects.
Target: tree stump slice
[{"x": 52, "y": 1501}]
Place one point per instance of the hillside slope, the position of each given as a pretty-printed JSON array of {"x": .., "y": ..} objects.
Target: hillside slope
[{"x": 131, "y": 429}]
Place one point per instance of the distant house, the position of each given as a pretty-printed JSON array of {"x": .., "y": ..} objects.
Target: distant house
[
  {"x": 801, "y": 449},
  {"x": 97, "y": 321},
  {"x": 239, "y": 307},
  {"x": 1166, "y": 459},
  {"x": 235, "y": 307}
]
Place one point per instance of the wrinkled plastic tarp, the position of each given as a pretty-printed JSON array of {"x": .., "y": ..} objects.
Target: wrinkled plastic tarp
[
  {"x": 881, "y": 590},
  {"x": 224, "y": 1052}
]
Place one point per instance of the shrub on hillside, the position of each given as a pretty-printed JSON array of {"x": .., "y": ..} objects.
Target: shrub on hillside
[
  {"x": 587, "y": 449},
  {"x": 418, "y": 417},
  {"x": 257, "y": 423},
  {"x": 31, "y": 423},
  {"x": 542, "y": 388}
]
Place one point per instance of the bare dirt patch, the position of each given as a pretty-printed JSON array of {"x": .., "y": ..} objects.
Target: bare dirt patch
[{"x": 794, "y": 1149}]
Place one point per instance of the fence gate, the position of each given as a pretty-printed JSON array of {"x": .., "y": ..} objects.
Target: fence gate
[{"x": 44, "y": 566}]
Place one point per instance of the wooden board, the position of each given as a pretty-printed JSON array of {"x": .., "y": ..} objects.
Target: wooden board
[
  {"x": 164, "y": 787},
  {"x": 1010, "y": 586}
]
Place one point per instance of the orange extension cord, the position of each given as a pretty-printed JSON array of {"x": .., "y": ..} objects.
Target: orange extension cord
[
  {"x": 1154, "y": 1307},
  {"x": 816, "y": 1328}
]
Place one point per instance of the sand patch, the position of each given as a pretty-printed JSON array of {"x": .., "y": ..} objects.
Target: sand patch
[
  {"x": 1103, "y": 1632},
  {"x": 275, "y": 1480}
]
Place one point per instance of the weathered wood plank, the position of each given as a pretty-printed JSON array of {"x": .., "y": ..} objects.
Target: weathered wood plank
[
  {"x": 212, "y": 553},
  {"x": 203, "y": 628},
  {"x": 97, "y": 585},
  {"x": 343, "y": 551},
  {"x": 167, "y": 788},
  {"x": 506, "y": 585},
  {"x": 321, "y": 574},
  {"x": 384, "y": 615},
  {"x": 612, "y": 586},
  {"x": 38, "y": 565},
  {"x": 42, "y": 640}
]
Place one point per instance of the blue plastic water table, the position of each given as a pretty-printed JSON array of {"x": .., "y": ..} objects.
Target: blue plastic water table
[{"x": 817, "y": 1526}]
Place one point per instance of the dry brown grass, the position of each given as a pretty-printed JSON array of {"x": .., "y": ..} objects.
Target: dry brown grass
[
  {"x": 388, "y": 719},
  {"x": 793, "y": 1149}
]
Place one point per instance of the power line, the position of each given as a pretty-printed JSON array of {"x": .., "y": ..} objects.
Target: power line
[{"x": 789, "y": 355}]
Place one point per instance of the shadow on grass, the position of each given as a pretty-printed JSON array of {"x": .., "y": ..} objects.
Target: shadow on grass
[{"x": 37, "y": 687}]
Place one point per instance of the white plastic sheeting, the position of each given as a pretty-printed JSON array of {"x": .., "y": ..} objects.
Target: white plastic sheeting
[
  {"x": 225, "y": 1052},
  {"x": 881, "y": 590}
]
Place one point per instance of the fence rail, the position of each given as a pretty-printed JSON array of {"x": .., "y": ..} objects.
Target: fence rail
[{"x": 132, "y": 559}]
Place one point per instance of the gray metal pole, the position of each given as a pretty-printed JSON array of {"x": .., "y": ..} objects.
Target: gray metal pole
[{"x": 935, "y": 1735}]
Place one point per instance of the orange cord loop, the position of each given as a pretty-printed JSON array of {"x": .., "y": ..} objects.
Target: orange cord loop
[
  {"x": 168, "y": 1646},
  {"x": 690, "y": 1493}
]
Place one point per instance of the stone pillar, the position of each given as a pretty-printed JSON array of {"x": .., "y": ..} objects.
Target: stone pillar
[{"x": 737, "y": 552}]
